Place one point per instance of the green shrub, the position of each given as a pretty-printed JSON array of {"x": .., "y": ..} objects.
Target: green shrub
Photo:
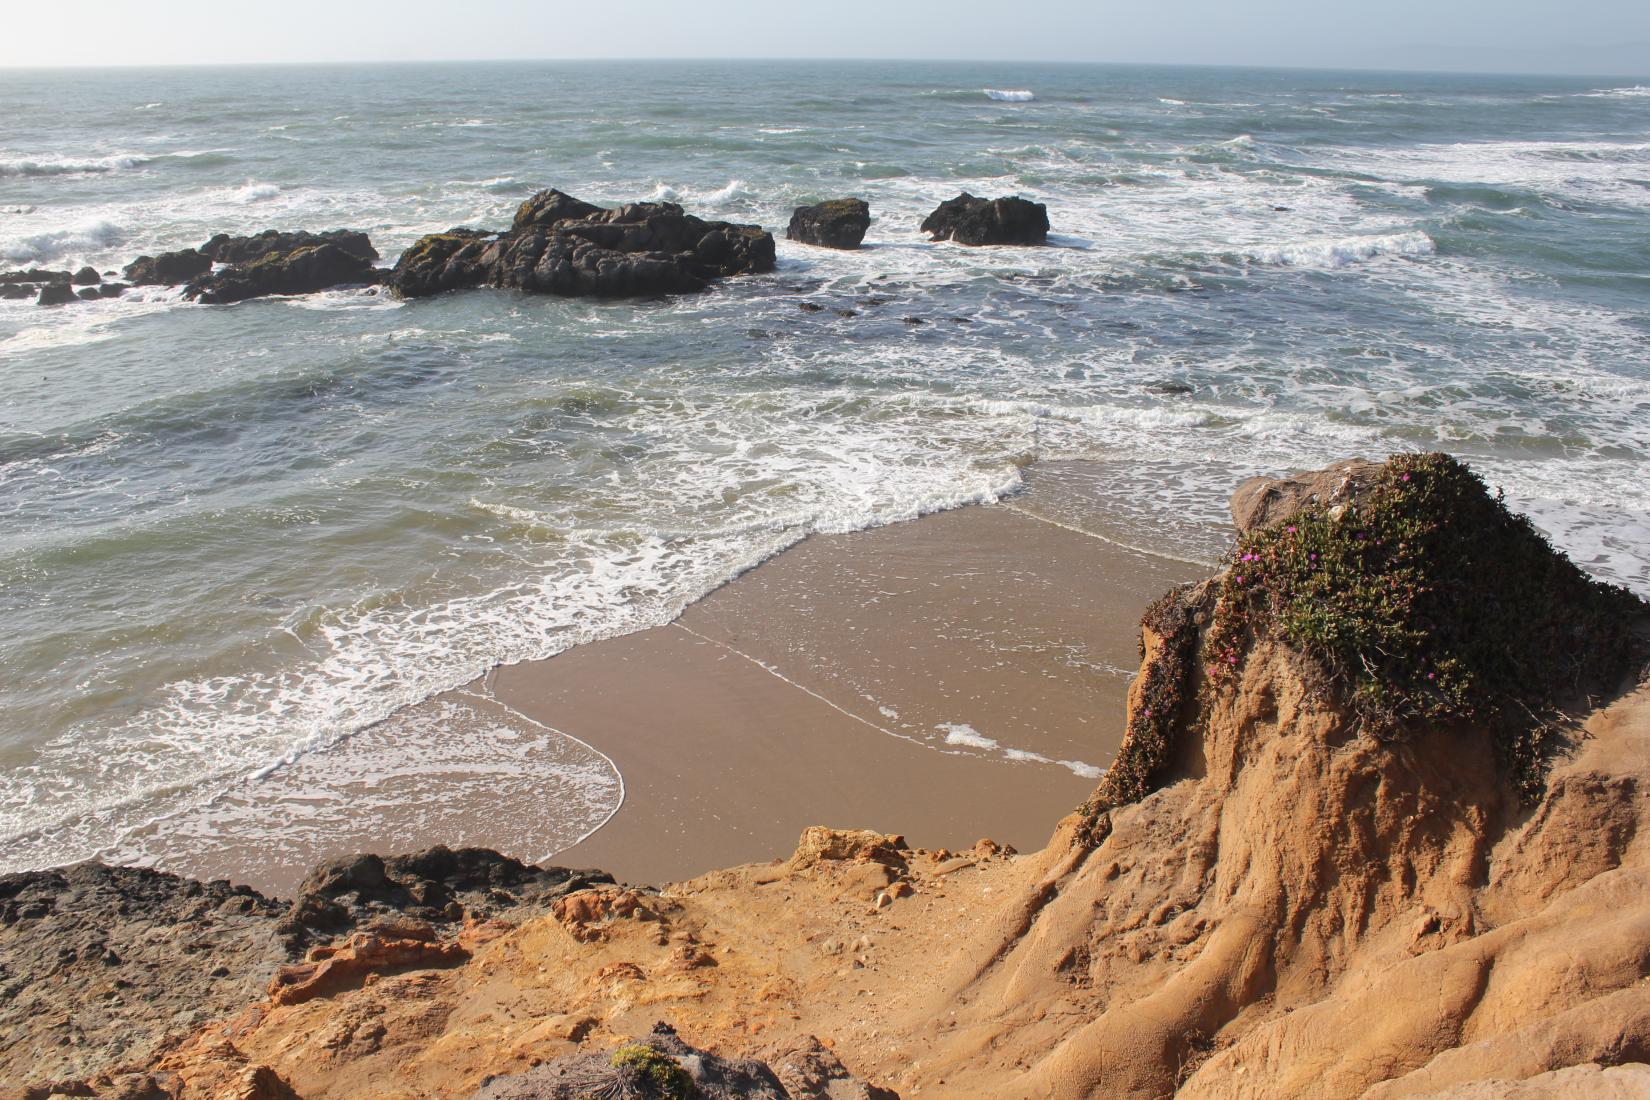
[{"x": 1430, "y": 603}]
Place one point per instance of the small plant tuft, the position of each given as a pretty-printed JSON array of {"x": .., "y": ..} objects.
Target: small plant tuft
[{"x": 668, "y": 1080}]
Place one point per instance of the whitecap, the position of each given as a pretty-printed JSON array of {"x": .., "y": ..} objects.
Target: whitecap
[
  {"x": 1344, "y": 251},
  {"x": 1010, "y": 95}
]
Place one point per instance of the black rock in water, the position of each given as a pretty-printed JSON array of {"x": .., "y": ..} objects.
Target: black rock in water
[
  {"x": 56, "y": 294},
  {"x": 975, "y": 221},
  {"x": 837, "y": 223},
  {"x": 168, "y": 269},
  {"x": 225, "y": 249},
  {"x": 562, "y": 245},
  {"x": 34, "y": 275},
  {"x": 443, "y": 261},
  {"x": 303, "y": 270},
  {"x": 86, "y": 276},
  {"x": 88, "y": 294}
]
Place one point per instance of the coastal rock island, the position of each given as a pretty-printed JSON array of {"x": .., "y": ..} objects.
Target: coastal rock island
[
  {"x": 970, "y": 220},
  {"x": 1375, "y": 830},
  {"x": 835, "y": 223},
  {"x": 562, "y": 245}
]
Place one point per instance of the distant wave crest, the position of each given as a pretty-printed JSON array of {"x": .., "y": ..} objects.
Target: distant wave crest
[
  {"x": 79, "y": 166},
  {"x": 1010, "y": 95},
  {"x": 1345, "y": 250}
]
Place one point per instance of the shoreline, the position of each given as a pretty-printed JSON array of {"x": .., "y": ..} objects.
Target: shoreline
[{"x": 949, "y": 677}]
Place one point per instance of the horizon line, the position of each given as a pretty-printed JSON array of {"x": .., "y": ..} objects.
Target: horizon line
[{"x": 6, "y": 67}]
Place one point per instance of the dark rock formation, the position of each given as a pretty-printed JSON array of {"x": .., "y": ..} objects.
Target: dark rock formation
[
  {"x": 837, "y": 223},
  {"x": 35, "y": 275},
  {"x": 437, "y": 885},
  {"x": 86, "y": 276},
  {"x": 56, "y": 294},
  {"x": 98, "y": 965},
  {"x": 225, "y": 249},
  {"x": 975, "y": 221},
  {"x": 112, "y": 290},
  {"x": 88, "y": 294},
  {"x": 561, "y": 245},
  {"x": 9, "y": 291},
  {"x": 303, "y": 270},
  {"x": 661, "y": 1068},
  {"x": 168, "y": 269},
  {"x": 442, "y": 261}
]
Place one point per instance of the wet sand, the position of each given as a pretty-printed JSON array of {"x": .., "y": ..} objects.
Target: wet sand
[
  {"x": 859, "y": 681},
  {"x": 955, "y": 677}
]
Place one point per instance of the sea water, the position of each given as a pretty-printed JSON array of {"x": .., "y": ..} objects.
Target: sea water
[{"x": 234, "y": 538}]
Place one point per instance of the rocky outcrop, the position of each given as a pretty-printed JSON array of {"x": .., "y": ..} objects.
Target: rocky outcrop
[
  {"x": 36, "y": 275},
  {"x": 303, "y": 270},
  {"x": 86, "y": 276},
  {"x": 1378, "y": 828},
  {"x": 100, "y": 966},
  {"x": 168, "y": 269},
  {"x": 564, "y": 246},
  {"x": 57, "y": 294},
  {"x": 836, "y": 223},
  {"x": 660, "y": 1067},
  {"x": 1264, "y": 501},
  {"x": 225, "y": 249},
  {"x": 975, "y": 221}
]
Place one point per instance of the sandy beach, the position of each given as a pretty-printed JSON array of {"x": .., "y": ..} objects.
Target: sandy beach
[{"x": 954, "y": 677}]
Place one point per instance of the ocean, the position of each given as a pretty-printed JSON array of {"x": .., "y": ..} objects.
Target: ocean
[{"x": 236, "y": 538}]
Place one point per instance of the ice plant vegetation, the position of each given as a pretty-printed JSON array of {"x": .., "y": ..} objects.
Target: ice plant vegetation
[{"x": 1430, "y": 603}]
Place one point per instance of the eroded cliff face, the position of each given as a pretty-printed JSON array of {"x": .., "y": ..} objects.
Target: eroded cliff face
[{"x": 1285, "y": 888}]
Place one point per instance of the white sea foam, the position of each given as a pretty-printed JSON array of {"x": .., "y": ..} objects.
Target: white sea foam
[
  {"x": 87, "y": 237},
  {"x": 1010, "y": 95},
  {"x": 65, "y": 166},
  {"x": 965, "y": 736},
  {"x": 960, "y": 733},
  {"x": 1345, "y": 250}
]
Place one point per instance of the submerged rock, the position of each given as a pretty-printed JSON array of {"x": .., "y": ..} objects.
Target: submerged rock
[
  {"x": 303, "y": 270},
  {"x": 976, "y": 221},
  {"x": 836, "y": 223},
  {"x": 168, "y": 269},
  {"x": 225, "y": 249},
  {"x": 562, "y": 245}
]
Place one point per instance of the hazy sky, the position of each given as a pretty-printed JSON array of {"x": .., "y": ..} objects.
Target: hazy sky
[{"x": 1594, "y": 36}]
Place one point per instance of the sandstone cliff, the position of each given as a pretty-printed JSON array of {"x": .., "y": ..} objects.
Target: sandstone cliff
[{"x": 1375, "y": 831}]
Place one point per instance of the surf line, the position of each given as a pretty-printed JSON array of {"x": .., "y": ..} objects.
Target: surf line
[
  {"x": 1095, "y": 535},
  {"x": 776, "y": 674},
  {"x": 486, "y": 695}
]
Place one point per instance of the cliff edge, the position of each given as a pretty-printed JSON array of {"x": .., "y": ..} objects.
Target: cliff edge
[{"x": 1375, "y": 831}]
